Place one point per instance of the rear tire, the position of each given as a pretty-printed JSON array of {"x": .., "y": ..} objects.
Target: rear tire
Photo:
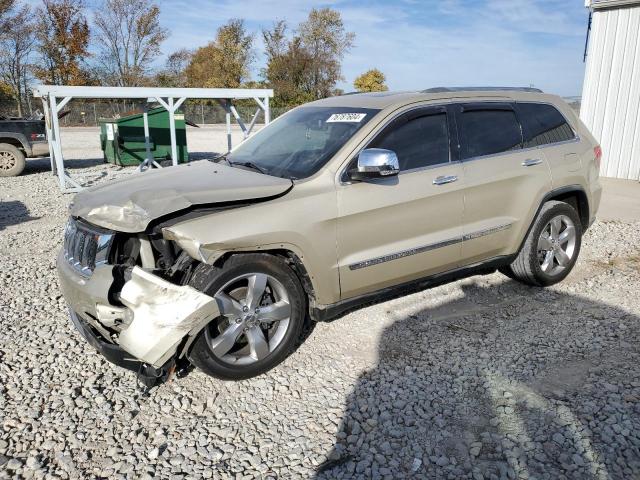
[
  {"x": 255, "y": 342},
  {"x": 551, "y": 248},
  {"x": 12, "y": 161}
]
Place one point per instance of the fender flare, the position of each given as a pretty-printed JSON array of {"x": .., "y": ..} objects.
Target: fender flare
[
  {"x": 17, "y": 137},
  {"x": 579, "y": 189}
]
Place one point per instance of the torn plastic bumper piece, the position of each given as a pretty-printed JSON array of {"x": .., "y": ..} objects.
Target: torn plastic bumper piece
[
  {"x": 162, "y": 315},
  {"x": 159, "y": 315}
]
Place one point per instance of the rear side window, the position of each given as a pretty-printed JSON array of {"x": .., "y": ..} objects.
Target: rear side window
[
  {"x": 487, "y": 132},
  {"x": 543, "y": 124},
  {"x": 419, "y": 140}
]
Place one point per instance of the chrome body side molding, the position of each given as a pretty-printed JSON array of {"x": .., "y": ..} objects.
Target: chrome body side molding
[{"x": 426, "y": 248}]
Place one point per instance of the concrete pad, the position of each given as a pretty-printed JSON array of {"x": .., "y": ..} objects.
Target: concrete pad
[{"x": 620, "y": 200}]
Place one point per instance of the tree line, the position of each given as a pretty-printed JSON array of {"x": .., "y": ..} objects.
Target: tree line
[{"x": 56, "y": 43}]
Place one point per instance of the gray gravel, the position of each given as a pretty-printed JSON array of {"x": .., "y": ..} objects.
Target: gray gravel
[{"x": 482, "y": 378}]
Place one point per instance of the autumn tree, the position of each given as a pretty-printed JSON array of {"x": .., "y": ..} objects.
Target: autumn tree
[
  {"x": 174, "y": 72},
  {"x": 288, "y": 67},
  {"x": 371, "y": 81},
  {"x": 225, "y": 62},
  {"x": 129, "y": 35},
  {"x": 307, "y": 65},
  {"x": 63, "y": 42},
  {"x": 16, "y": 45},
  {"x": 324, "y": 37}
]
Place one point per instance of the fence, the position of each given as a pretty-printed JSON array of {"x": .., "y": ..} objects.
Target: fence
[{"x": 87, "y": 113}]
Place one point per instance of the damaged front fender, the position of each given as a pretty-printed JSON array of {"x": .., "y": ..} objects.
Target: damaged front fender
[{"x": 162, "y": 315}]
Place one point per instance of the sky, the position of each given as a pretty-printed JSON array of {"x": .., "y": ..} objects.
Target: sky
[
  {"x": 418, "y": 43},
  {"x": 421, "y": 43}
]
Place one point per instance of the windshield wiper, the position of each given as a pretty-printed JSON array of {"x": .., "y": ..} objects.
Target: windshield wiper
[
  {"x": 250, "y": 165},
  {"x": 219, "y": 158}
]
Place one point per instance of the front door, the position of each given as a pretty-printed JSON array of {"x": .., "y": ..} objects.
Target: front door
[{"x": 394, "y": 230}]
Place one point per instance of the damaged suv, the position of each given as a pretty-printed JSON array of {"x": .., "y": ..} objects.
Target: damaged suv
[{"x": 226, "y": 264}]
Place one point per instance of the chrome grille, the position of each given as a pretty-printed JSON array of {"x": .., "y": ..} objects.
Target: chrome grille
[{"x": 86, "y": 246}]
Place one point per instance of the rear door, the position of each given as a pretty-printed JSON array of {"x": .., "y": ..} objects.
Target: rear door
[
  {"x": 504, "y": 181},
  {"x": 393, "y": 230},
  {"x": 545, "y": 127}
]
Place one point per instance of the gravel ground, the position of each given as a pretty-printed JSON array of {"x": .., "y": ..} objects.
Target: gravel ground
[{"x": 481, "y": 378}]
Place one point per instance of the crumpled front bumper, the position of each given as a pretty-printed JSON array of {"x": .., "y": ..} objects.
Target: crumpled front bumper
[
  {"x": 110, "y": 351},
  {"x": 154, "y": 319}
]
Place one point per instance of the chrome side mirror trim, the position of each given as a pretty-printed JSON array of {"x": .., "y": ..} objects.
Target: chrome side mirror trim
[{"x": 376, "y": 163}]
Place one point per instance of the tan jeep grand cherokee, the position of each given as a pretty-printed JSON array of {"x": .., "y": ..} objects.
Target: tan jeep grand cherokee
[{"x": 225, "y": 264}]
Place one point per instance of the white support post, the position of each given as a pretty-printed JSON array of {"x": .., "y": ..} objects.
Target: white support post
[
  {"x": 148, "y": 162},
  {"x": 253, "y": 121},
  {"x": 171, "y": 107},
  {"x": 54, "y": 143},
  {"x": 47, "y": 126},
  {"x": 239, "y": 120},
  {"x": 228, "y": 120},
  {"x": 267, "y": 111},
  {"x": 172, "y": 130},
  {"x": 56, "y": 146}
]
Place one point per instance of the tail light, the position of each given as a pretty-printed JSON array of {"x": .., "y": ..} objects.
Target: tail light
[{"x": 597, "y": 151}]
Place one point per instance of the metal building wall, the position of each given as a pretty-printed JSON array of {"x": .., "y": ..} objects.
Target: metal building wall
[{"x": 611, "y": 92}]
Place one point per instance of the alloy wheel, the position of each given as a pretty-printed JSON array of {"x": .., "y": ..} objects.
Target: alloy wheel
[
  {"x": 7, "y": 160},
  {"x": 557, "y": 245},
  {"x": 255, "y": 313}
]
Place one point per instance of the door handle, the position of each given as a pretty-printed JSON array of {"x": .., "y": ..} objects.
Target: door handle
[
  {"x": 531, "y": 162},
  {"x": 444, "y": 179}
]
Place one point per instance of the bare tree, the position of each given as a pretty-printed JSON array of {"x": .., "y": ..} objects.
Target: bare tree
[
  {"x": 5, "y": 11},
  {"x": 130, "y": 35},
  {"x": 174, "y": 72},
  {"x": 16, "y": 45}
]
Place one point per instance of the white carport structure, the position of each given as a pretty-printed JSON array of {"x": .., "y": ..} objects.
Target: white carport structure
[
  {"x": 55, "y": 97},
  {"x": 611, "y": 92}
]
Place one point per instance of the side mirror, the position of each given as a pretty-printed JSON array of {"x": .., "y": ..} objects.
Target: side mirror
[{"x": 375, "y": 163}]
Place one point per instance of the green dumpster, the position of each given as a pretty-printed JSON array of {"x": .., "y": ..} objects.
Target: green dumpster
[{"x": 122, "y": 139}]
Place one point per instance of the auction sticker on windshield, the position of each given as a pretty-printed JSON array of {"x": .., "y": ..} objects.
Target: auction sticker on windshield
[{"x": 346, "y": 117}]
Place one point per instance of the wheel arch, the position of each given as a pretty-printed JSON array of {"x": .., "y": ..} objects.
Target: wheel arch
[
  {"x": 16, "y": 141},
  {"x": 574, "y": 195},
  {"x": 291, "y": 258}
]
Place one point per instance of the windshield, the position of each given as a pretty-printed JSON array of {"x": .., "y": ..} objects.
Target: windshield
[{"x": 301, "y": 142}]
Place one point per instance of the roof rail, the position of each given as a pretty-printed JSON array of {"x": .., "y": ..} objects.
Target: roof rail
[{"x": 481, "y": 89}]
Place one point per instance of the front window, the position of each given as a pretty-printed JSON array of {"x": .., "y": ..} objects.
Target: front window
[{"x": 302, "y": 141}]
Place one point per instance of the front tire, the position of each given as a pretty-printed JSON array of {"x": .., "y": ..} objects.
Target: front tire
[
  {"x": 551, "y": 248},
  {"x": 263, "y": 308}
]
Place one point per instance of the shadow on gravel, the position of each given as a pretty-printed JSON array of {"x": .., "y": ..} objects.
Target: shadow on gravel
[
  {"x": 506, "y": 382},
  {"x": 14, "y": 212},
  {"x": 40, "y": 165}
]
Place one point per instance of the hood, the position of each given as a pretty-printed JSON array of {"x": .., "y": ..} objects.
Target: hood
[{"x": 130, "y": 204}]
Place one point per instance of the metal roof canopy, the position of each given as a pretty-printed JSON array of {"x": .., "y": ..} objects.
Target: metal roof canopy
[
  {"x": 598, "y": 4},
  {"x": 55, "y": 97}
]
